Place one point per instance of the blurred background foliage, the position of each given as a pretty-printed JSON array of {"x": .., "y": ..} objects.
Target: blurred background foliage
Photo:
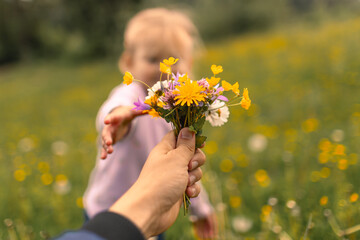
[
  {"x": 288, "y": 168},
  {"x": 86, "y": 29}
]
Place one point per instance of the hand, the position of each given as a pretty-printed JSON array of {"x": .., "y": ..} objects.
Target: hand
[
  {"x": 206, "y": 228},
  {"x": 117, "y": 124},
  {"x": 154, "y": 201}
]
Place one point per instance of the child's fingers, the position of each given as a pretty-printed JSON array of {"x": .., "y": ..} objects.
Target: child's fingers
[
  {"x": 103, "y": 154},
  {"x": 197, "y": 160},
  {"x": 106, "y": 136},
  {"x": 110, "y": 149},
  {"x": 107, "y": 119}
]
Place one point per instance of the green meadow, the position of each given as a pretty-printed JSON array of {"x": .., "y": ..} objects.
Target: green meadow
[{"x": 287, "y": 168}]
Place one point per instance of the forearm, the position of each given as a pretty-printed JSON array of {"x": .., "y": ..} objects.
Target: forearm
[{"x": 106, "y": 225}]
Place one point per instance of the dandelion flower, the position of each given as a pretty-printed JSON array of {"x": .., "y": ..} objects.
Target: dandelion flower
[
  {"x": 245, "y": 101},
  {"x": 216, "y": 69},
  {"x": 219, "y": 116},
  {"x": 128, "y": 78},
  {"x": 189, "y": 92}
]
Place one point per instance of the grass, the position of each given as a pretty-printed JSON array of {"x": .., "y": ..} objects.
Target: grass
[{"x": 272, "y": 171}]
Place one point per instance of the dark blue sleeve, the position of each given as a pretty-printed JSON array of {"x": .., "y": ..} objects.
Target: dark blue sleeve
[
  {"x": 79, "y": 235},
  {"x": 106, "y": 225}
]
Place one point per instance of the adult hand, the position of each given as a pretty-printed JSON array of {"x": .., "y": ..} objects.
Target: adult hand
[{"x": 154, "y": 201}]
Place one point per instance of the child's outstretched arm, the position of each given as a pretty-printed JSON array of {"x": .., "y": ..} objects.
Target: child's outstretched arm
[{"x": 117, "y": 125}]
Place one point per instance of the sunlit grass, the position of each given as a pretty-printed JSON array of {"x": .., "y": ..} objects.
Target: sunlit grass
[{"x": 270, "y": 169}]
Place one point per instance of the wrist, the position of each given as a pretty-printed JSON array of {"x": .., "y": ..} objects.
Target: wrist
[{"x": 138, "y": 208}]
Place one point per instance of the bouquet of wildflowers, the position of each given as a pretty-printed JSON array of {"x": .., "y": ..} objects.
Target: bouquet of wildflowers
[{"x": 189, "y": 103}]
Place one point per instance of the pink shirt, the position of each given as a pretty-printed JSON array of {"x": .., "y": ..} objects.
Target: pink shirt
[{"x": 112, "y": 177}]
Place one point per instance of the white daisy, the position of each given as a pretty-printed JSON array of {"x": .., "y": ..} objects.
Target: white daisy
[
  {"x": 157, "y": 87},
  {"x": 217, "y": 114}
]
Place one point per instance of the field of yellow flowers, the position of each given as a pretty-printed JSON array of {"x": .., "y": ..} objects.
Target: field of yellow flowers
[{"x": 288, "y": 168}]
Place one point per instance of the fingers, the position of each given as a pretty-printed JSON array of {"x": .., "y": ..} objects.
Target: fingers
[
  {"x": 167, "y": 143},
  {"x": 193, "y": 190},
  {"x": 197, "y": 160},
  {"x": 185, "y": 145},
  {"x": 194, "y": 176}
]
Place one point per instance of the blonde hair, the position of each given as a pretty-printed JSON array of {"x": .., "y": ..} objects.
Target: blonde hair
[{"x": 160, "y": 29}]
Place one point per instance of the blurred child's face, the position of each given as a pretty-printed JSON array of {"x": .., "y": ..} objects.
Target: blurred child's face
[{"x": 145, "y": 64}]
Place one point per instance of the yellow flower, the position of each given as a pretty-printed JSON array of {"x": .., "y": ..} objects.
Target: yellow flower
[
  {"x": 354, "y": 197},
  {"x": 164, "y": 68},
  {"x": 189, "y": 92},
  {"x": 170, "y": 61},
  {"x": 227, "y": 86},
  {"x": 235, "y": 201},
  {"x": 216, "y": 69},
  {"x": 161, "y": 104},
  {"x": 226, "y": 165},
  {"x": 47, "y": 178},
  {"x": 151, "y": 100},
  {"x": 343, "y": 164},
  {"x": 183, "y": 78},
  {"x": 245, "y": 101},
  {"x": 128, "y": 78},
  {"x": 310, "y": 125},
  {"x": 213, "y": 81},
  {"x": 262, "y": 177},
  {"x": 324, "y": 200},
  {"x": 235, "y": 88},
  {"x": 152, "y": 112},
  {"x": 323, "y": 157},
  {"x": 266, "y": 210},
  {"x": 339, "y": 150},
  {"x": 325, "y": 145},
  {"x": 19, "y": 175}
]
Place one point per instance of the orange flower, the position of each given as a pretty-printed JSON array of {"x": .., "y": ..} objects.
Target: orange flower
[
  {"x": 128, "y": 78},
  {"x": 245, "y": 101}
]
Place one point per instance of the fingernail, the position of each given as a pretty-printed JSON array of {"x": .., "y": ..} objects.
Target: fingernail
[
  {"x": 186, "y": 133},
  {"x": 194, "y": 164},
  {"x": 192, "y": 179}
]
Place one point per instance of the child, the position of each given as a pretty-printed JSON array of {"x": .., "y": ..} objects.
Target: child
[{"x": 126, "y": 137}]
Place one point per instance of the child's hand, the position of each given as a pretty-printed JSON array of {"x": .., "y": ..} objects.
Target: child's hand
[
  {"x": 206, "y": 228},
  {"x": 117, "y": 124}
]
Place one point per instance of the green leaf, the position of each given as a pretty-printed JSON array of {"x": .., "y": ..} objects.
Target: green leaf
[
  {"x": 199, "y": 124},
  {"x": 199, "y": 141},
  {"x": 193, "y": 129}
]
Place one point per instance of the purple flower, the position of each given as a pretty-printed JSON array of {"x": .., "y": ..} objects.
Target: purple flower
[
  {"x": 203, "y": 83},
  {"x": 223, "y": 98},
  {"x": 219, "y": 89},
  {"x": 169, "y": 99},
  {"x": 176, "y": 77},
  {"x": 140, "y": 105}
]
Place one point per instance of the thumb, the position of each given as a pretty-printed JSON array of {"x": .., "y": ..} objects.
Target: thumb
[{"x": 186, "y": 143}]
